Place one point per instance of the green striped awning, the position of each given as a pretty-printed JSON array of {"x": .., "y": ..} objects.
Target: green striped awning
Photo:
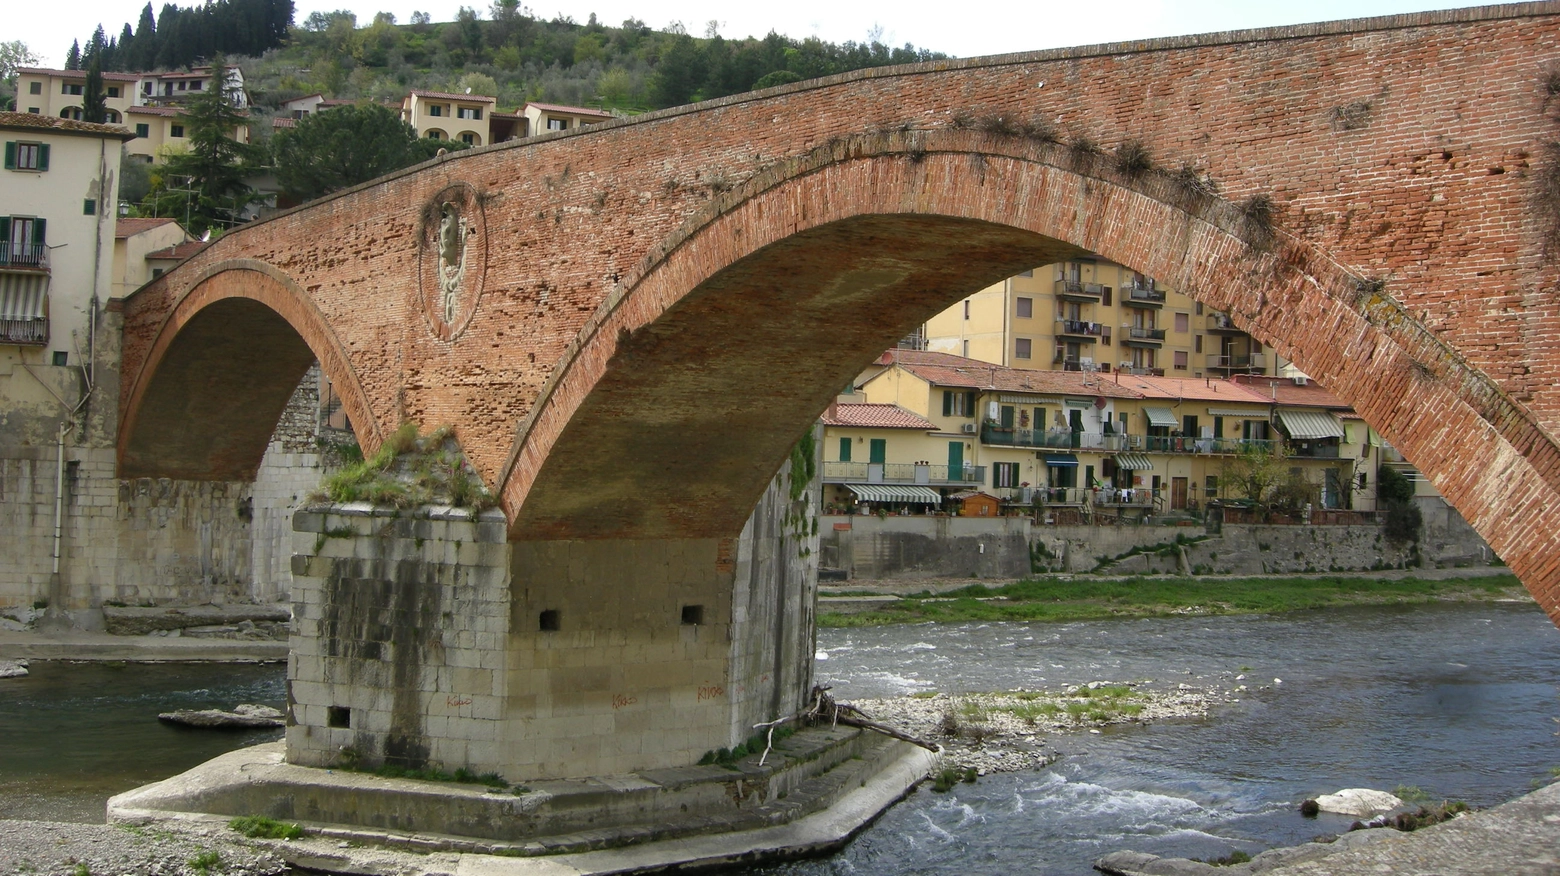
[
  {"x": 1160, "y": 417},
  {"x": 1310, "y": 425},
  {"x": 894, "y": 493},
  {"x": 1133, "y": 462},
  {"x": 1064, "y": 460}
]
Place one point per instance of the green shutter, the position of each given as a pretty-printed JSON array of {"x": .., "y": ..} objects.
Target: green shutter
[
  {"x": 10, "y": 155},
  {"x": 969, "y": 404},
  {"x": 844, "y": 450},
  {"x": 947, "y": 394},
  {"x": 878, "y": 450},
  {"x": 38, "y": 235},
  {"x": 43, "y": 157}
]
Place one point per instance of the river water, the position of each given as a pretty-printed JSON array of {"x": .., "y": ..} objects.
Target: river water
[{"x": 1460, "y": 700}]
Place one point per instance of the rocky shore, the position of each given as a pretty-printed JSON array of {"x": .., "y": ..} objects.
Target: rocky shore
[
  {"x": 49, "y": 848},
  {"x": 1014, "y": 730}
]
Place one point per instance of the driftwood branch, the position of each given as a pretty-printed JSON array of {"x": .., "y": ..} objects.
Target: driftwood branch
[{"x": 824, "y": 708}]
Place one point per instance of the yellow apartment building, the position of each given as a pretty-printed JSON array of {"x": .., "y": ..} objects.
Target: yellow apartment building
[
  {"x": 136, "y": 245},
  {"x": 1089, "y": 314},
  {"x": 465, "y": 118}
]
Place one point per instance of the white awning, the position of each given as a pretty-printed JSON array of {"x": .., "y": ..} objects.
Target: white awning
[
  {"x": 1133, "y": 462},
  {"x": 1310, "y": 425},
  {"x": 1238, "y": 412},
  {"x": 1028, "y": 400},
  {"x": 888, "y": 493},
  {"x": 1160, "y": 417},
  {"x": 22, "y": 296}
]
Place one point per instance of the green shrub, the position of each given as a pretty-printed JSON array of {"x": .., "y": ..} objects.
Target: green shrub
[{"x": 261, "y": 827}]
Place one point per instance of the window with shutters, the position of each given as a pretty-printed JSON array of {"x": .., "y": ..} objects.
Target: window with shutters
[
  {"x": 1023, "y": 348},
  {"x": 23, "y": 243},
  {"x": 958, "y": 403},
  {"x": 20, "y": 155},
  {"x": 844, "y": 450},
  {"x": 1005, "y": 474},
  {"x": 1026, "y": 308},
  {"x": 178, "y": 131}
]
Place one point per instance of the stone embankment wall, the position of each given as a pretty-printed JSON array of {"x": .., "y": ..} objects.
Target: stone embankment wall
[
  {"x": 956, "y": 547},
  {"x": 149, "y": 540},
  {"x": 426, "y": 639}
]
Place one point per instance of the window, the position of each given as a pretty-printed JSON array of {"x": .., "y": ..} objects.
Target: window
[
  {"x": 557, "y": 124},
  {"x": 1180, "y": 360},
  {"x": 71, "y": 112},
  {"x": 143, "y": 131},
  {"x": 1028, "y": 273},
  {"x": 89, "y": 207},
  {"x": 113, "y": 91},
  {"x": 1022, "y": 348},
  {"x": 157, "y": 272},
  {"x": 147, "y": 88},
  {"x": 26, "y": 156},
  {"x": 548, "y": 621},
  {"x": 1199, "y": 308},
  {"x": 1211, "y": 486},
  {"x": 844, "y": 450},
  {"x": 1026, "y": 308},
  {"x": 196, "y": 85},
  {"x": 1197, "y": 344},
  {"x": 35, "y": 88},
  {"x": 1182, "y": 322},
  {"x": 71, "y": 88},
  {"x": 184, "y": 86},
  {"x": 958, "y": 404},
  {"x": 111, "y": 117},
  {"x": 469, "y": 139},
  {"x": 1004, "y": 474},
  {"x": 435, "y": 109},
  {"x": 692, "y": 615},
  {"x": 61, "y": 358},
  {"x": 34, "y": 110},
  {"x": 1105, "y": 295},
  {"x": 468, "y": 112},
  {"x": 966, "y": 308},
  {"x": 178, "y": 131},
  {"x": 435, "y": 134}
]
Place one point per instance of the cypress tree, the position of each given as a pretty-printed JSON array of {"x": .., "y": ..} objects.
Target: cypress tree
[{"x": 73, "y": 57}]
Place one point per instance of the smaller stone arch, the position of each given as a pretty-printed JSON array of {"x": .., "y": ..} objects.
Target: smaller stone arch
[{"x": 223, "y": 365}]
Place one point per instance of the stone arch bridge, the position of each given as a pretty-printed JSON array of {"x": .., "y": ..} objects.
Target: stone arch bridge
[{"x": 631, "y": 325}]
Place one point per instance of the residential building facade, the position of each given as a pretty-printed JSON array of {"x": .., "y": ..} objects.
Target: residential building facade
[
  {"x": 1089, "y": 314},
  {"x": 464, "y": 118},
  {"x": 143, "y": 250}
]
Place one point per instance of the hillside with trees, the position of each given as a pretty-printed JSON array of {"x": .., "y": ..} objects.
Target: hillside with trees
[{"x": 504, "y": 52}]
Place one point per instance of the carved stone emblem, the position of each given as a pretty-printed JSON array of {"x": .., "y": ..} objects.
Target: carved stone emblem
[{"x": 452, "y": 259}]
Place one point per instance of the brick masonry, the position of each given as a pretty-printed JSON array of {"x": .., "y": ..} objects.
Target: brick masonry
[{"x": 666, "y": 301}]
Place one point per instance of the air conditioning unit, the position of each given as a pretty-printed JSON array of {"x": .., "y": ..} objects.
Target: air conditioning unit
[
  {"x": 1301, "y": 380},
  {"x": 969, "y": 428}
]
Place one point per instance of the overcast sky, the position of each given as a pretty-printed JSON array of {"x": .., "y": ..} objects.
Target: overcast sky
[{"x": 982, "y": 28}]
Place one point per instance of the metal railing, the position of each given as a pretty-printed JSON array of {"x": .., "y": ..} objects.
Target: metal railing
[
  {"x": 1131, "y": 497},
  {"x": 902, "y": 473},
  {"x": 1141, "y": 371},
  {"x": 1145, "y": 294},
  {"x": 24, "y": 331},
  {"x": 1142, "y": 333},
  {"x": 1314, "y": 451},
  {"x": 1186, "y": 444},
  {"x": 25, "y": 255},
  {"x": 1079, "y": 327},
  {"x": 1079, "y": 289},
  {"x": 1057, "y": 439},
  {"x": 1255, "y": 360}
]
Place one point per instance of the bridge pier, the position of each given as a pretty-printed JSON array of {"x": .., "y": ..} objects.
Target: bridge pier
[{"x": 425, "y": 639}]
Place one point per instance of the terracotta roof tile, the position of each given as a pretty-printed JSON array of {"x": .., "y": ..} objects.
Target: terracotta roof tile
[
  {"x": 155, "y": 111},
  {"x": 575, "y": 110},
  {"x": 284, "y": 122},
  {"x": 875, "y": 416},
  {"x": 479, "y": 98},
  {"x": 944, "y": 369},
  {"x": 1190, "y": 389},
  {"x": 58, "y": 125},
  {"x": 79, "y": 74},
  {"x": 181, "y": 251},
  {"x": 130, "y": 227},
  {"x": 1285, "y": 391}
]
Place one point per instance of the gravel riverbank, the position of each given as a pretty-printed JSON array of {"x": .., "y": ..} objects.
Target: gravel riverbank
[
  {"x": 51, "y": 848},
  {"x": 1009, "y": 731}
]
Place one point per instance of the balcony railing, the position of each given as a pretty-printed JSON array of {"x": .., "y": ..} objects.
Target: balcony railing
[
  {"x": 1143, "y": 294},
  {"x": 1183, "y": 444},
  {"x": 1221, "y": 322},
  {"x": 1141, "y": 370},
  {"x": 1056, "y": 439},
  {"x": 1142, "y": 333},
  {"x": 1314, "y": 451},
  {"x": 1080, "y": 328},
  {"x": 1079, "y": 289},
  {"x": 25, "y": 255},
  {"x": 1253, "y": 362},
  {"x": 24, "y": 331},
  {"x": 902, "y": 473},
  {"x": 1130, "y": 497}
]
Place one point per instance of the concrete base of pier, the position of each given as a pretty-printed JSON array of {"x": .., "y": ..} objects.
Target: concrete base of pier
[{"x": 815, "y": 791}]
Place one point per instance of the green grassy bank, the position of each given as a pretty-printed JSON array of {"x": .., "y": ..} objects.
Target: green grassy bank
[{"x": 1057, "y": 599}]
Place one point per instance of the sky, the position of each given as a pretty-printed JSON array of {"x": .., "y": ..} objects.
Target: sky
[{"x": 987, "y": 28}]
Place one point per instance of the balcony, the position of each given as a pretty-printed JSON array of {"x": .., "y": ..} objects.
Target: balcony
[
  {"x": 1310, "y": 450},
  {"x": 1132, "y": 497},
  {"x": 30, "y": 332},
  {"x": 1185, "y": 444},
  {"x": 1256, "y": 362},
  {"x": 1140, "y": 370},
  {"x": 25, "y": 256},
  {"x": 1079, "y": 329},
  {"x": 1077, "y": 290},
  {"x": 1055, "y": 439},
  {"x": 1145, "y": 336},
  {"x": 1221, "y": 322},
  {"x": 1142, "y": 293},
  {"x": 902, "y": 473}
]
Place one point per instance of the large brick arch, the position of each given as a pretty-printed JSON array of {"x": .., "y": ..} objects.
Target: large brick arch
[
  {"x": 685, "y": 390},
  {"x": 221, "y": 367}
]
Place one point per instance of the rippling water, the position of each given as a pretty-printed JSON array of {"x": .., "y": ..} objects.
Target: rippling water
[{"x": 1458, "y": 700}]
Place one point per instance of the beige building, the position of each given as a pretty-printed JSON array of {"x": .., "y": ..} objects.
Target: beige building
[
  {"x": 57, "y": 195},
  {"x": 143, "y": 250},
  {"x": 465, "y": 118},
  {"x": 58, "y": 93},
  {"x": 160, "y": 130},
  {"x": 1089, "y": 314}
]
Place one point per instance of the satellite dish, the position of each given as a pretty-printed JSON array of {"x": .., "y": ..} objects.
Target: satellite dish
[
  {"x": 468, "y": 90},
  {"x": 206, "y": 238}
]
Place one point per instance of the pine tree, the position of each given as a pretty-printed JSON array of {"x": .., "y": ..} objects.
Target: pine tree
[
  {"x": 143, "y": 54},
  {"x": 206, "y": 183},
  {"x": 73, "y": 57}
]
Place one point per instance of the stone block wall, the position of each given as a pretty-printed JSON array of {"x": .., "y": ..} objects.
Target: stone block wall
[
  {"x": 869, "y": 547},
  {"x": 400, "y": 629},
  {"x": 425, "y": 638}
]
